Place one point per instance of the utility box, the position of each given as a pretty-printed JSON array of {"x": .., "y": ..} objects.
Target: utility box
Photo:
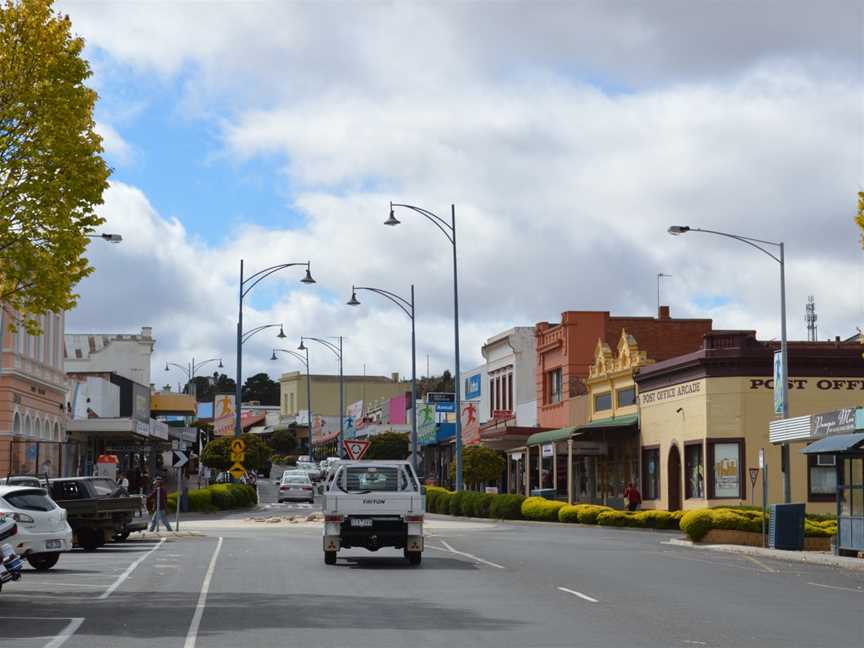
[{"x": 786, "y": 527}]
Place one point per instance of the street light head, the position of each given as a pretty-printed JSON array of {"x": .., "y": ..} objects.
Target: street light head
[
  {"x": 166, "y": 367},
  {"x": 112, "y": 238},
  {"x": 677, "y": 230},
  {"x": 302, "y": 346},
  {"x": 308, "y": 278},
  {"x": 392, "y": 220},
  {"x": 353, "y": 301},
  {"x": 220, "y": 365},
  {"x": 281, "y": 333},
  {"x": 273, "y": 357}
]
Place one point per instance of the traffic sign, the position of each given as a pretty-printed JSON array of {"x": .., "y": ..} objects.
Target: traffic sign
[
  {"x": 237, "y": 470},
  {"x": 754, "y": 475},
  {"x": 238, "y": 445},
  {"x": 355, "y": 449},
  {"x": 178, "y": 459}
]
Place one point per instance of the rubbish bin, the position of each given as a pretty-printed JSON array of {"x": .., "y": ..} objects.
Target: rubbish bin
[{"x": 786, "y": 527}]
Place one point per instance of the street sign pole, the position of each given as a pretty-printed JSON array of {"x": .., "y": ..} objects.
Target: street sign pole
[
  {"x": 764, "y": 470},
  {"x": 179, "y": 495}
]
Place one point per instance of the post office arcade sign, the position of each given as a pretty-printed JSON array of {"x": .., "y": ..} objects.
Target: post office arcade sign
[{"x": 688, "y": 389}]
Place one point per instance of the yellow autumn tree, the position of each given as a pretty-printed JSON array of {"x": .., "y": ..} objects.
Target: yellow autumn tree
[
  {"x": 52, "y": 174},
  {"x": 859, "y": 219}
]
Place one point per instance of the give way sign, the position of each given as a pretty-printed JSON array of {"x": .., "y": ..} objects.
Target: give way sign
[{"x": 355, "y": 449}]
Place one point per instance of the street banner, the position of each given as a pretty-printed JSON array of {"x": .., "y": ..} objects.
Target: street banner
[
  {"x": 354, "y": 417},
  {"x": 470, "y": 423},
  {"x": 223, "y": 405},
  {"x": 426, "y": 427},
  {"x": 778, "y": 383}
]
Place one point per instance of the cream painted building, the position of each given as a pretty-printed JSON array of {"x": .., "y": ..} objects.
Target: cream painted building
[
  {"x": 325, "y": 392},
  {"x": 704, "y": 417}
]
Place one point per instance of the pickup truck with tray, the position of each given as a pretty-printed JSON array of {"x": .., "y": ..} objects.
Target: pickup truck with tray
[
  {"x": 374, "y": 504},
  {"x": 96, "y": 510}
]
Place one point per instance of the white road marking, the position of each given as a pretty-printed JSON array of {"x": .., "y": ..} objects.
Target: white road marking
[
  {"x": 579, "y": 594},
  {"x": 472, "y": 556},
  {"x": 768, "y": 569},
  {"x": 837, "y": 587},
  {"x": 192, "y": 635},
  {"x": 696, "y": 643},
  {"x": 65, "y": 633},
  {"x": 120, "y": 579}
]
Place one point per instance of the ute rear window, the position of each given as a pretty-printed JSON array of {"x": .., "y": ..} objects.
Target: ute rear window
[
  {"x": 30, "y": 500},
  {"x": 380, "y": 478}
]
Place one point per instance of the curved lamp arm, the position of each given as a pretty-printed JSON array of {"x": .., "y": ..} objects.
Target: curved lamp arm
[
  {"x": 436, "y": 220},
  {"x": 325, "y": 343},
  {"x": 293, "y": 353},
  {"x": 248, "y": 334},
  {"x": 406, "y": 306}
]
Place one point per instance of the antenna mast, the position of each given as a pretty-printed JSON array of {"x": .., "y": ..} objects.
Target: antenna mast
[{"x": 811, "y": 318}]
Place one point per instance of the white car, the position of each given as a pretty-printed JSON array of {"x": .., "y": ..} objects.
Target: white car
[
  {"x": 296, "y": 486},
  {"x": 43, "y": 532}
]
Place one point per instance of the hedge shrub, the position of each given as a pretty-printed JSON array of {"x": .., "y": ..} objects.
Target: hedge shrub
[
  {"x": 616, "y": 518},
  {"x": 507, "y": 507},
  {"x": 482, "y": 505},
  {"x": 442, "y": 503},
  {"x": 568, "y": 513},
  {"x": 540, "y": 508},
  {"x": 657, "y": 519},
  {"x": 698, "y": 522},
  {"x": 218, "y": 497},
  {"x": 588, "y": 512}
]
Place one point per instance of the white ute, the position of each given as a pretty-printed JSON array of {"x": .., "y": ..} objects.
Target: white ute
[{"x": 374, "y": 504}]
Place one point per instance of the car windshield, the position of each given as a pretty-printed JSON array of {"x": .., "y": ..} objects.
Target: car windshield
[
  {"x": 30, "y": 500},
  {"x": 104, "y": 487}
]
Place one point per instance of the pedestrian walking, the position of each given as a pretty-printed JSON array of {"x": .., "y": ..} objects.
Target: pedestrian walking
[
  {"x": 632, "y": 497},
  {"x": 122, "y": 484},
  {"x": 157, "y": 502}
]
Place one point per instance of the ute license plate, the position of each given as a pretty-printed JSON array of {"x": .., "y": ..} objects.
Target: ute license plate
[
  {"x": 53, "y": 544},
  {"x": 361, "y": 522}
]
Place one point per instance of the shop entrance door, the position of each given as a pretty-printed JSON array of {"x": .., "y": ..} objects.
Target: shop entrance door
[{"x": 674, "y": 473}]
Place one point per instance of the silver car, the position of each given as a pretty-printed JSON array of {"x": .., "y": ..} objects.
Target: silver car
[{"x": 296, "y": 486}]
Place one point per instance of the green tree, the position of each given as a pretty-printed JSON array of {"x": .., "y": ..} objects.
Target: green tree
[
  {"x": 479, "y": 466},
  {"x": 262, "y": 388},
  {"x": 206, "y": 387},
  {"x": 217, "y": 453},
  {"x": 859, "y": 218},
  {"x": 283, "y": 442},
  {"x": 388, "y": 445},
  {"x": 52, "y": 174}
]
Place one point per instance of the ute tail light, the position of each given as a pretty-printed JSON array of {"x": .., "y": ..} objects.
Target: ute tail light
[
  {"x": 414, "y": 518},
  {"x": 333, "y": 518}
]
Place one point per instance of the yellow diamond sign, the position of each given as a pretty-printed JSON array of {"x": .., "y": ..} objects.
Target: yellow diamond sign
[
  {"x": 238, "y": 457},
  {"x": 237, "y": 470},
  {"x": 238, "y": 445}
]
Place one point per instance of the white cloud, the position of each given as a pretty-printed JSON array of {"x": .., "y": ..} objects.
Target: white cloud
[{"x": 116, "y": 148}]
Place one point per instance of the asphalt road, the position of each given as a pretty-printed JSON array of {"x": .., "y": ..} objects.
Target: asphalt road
[{"x": 480, "y": 584}]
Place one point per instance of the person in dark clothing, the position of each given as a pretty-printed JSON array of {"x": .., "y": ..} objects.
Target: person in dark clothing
[
  {"x": 633, "y": 497},
  {"x": 157, "y": 502}
]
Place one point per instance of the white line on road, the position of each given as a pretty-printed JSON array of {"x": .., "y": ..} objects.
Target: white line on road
[
  {"x": 192, "y": 635},
  {"x": 768, "y": 569},
  {"x": 65, "y": 633},
  {"x": 579, "y": 594},
  {"x": 837, "y": 587},
  {"x": 472, "y": 556},
  {"x": 117, "y": 583}
]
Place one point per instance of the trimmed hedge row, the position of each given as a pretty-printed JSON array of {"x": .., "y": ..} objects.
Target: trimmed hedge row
[
  {"x": 699, "y": 522},
  {"x": 218, "y": 497},
  {"x": 473, "y": 504},
  {"x": 540, "y": 508}
]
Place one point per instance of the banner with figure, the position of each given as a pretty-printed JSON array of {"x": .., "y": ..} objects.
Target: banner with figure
[
  {"x": 427, "y": 430},
  {"x": 470, "y": 423}
]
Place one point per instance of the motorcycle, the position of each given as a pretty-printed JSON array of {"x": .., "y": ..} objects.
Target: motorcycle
[{"x": 10, "y": 562}]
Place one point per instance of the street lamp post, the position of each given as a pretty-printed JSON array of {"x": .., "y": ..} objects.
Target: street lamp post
[
  {"x": 677, "y": 230},
  {"x": 305, "y": 362},
  {"x": 191, "y": 369},
  {"x": 408, "y": 308},
  {"x": 247, "y": 284},
  {"x": 337, "y": 351},
  {"x": 449, "y": 231}
]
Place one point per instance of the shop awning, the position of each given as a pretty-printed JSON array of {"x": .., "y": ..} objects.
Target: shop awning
[
  {"x": 550, "y": 436},
  {"x": 836, "y": 443},
  {"x": 621, "y": 421}
]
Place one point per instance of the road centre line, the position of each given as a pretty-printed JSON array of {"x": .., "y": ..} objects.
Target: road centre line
[
  {"x": 192, "y": 635},
  {"x": 471, "y": 556},
  {"x": 120, "y": 579},
  {"x": 59, "y": 639},
  {"x": 579, "y": 594},
  {"x": 837, "y": 587}
]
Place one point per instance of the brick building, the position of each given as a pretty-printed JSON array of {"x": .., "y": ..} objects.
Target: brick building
[{"x": 565, "y": 353}]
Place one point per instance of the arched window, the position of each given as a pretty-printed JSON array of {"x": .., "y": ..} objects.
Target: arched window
[
  {"x": 57, "y": 436},
  {"x": 16, "y": 425},
  {"x": 28, "y": 426}
]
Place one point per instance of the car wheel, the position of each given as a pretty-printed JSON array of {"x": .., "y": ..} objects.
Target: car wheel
[
  {"x": 88, "y": 540},
  {"x": 329, "y": 557},
  {"x": 414, "y": 557},
  {"x": 121, "y": 536},
  {"x": 43, "y": 561}
]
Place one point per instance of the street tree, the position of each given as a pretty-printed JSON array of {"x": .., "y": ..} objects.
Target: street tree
[
  {"x": 52, "y": 174},
  {"x": 261, "y": 388},
  {"x": 859, "y": 219},
  {"x": 283, "y": 442},
  {"x": 388, "y": 445},
  {"x": 479, "y": 466},
  {"x": 206, "y": 387}
]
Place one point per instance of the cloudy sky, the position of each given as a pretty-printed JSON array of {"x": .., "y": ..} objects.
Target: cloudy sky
[{"x": 568, "y": 135}]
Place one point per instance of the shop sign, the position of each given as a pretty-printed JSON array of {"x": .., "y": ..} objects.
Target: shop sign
[
  {"x": 472, "y": 386},
  {"x": 671, "y": 393},
  {"x": 591, "y": 448},
  {"x": 516, "y": 456},
  {"x": 501, "y": 415},
  {"x": 446, "y": 407},
  {"x": 128, "y": 448},
  {"x": 548, "y": 450},
  {"x": 840, "y": 421},
  {"x": 441, "y": 397},
  {"x": 142, "y": 429}
]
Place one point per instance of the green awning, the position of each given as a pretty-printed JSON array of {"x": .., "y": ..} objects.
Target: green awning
[
  {"x": 550, "y": 436},
  {"x": 621, "y": 421}
]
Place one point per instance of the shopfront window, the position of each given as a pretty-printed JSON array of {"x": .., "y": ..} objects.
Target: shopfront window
[
  {"x": 725, "y": 459},
  {"x": 651, "y": 473},
  {"x": 694, "y": 471},
  {"x": 553, "y": 381},
  {"x": 853, "y": 491},
  {"x": 603, "y": 402},
  {"x": 822, "y": 477},
  {"x": 626, "y": 396}
]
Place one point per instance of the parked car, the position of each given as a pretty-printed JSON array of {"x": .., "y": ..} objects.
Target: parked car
[
  {"x": 310, "y": 469},
  {"x": 296, "y": 486},
  {"x": 97, "y": 510},
  {"x": 43, "y": 531},
  {"x": 23, "y": 480}
]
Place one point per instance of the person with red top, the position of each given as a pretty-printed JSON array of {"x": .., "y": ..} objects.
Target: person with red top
[{"x": 633, "y": 497}]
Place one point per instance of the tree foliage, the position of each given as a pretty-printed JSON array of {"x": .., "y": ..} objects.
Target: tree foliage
[
  {"x": 479, "y": 466},
  {"x": 859, "y": 218},
  {"x": 217, "y": 453},
  {"x": 442, "y": 383},
  {"x": 262, "y": 388},
  {"x": 207, "y": 387},
  {"x": 388, "y": 445},
  {"x": 283, "y": 441},
  {"x": 52, "y": 174}
]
